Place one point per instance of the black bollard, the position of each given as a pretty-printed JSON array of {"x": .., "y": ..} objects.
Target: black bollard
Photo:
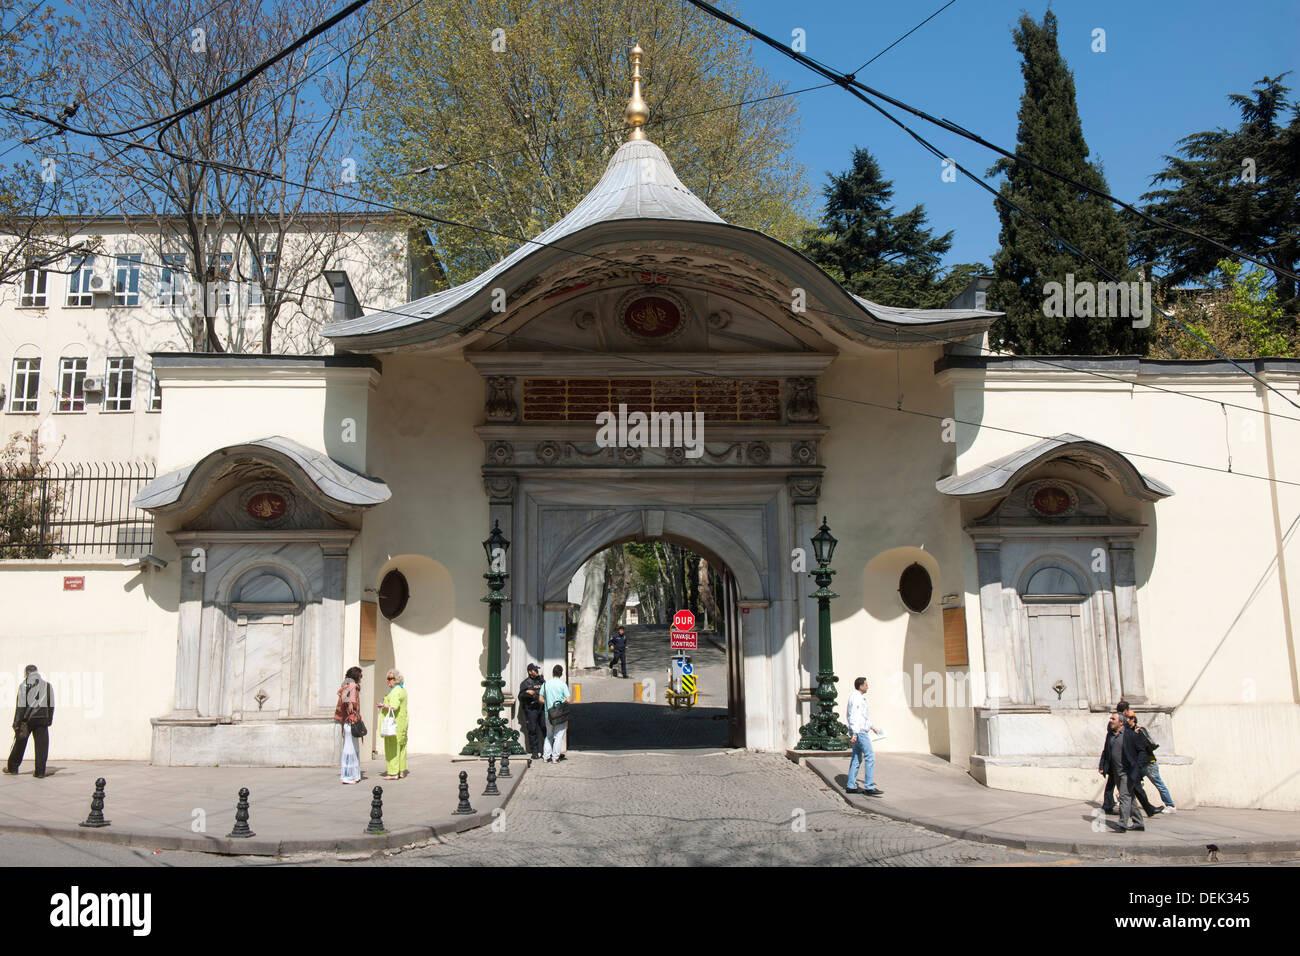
[
  {"x": 241, "y": 830},
  {"x": 505, "y": 766},
  {"x": 96, "y": 818},
  {"x": 376, "y": 824},
  {"x": 463, "y": 806},
  {"x": 491, "y": 789}
]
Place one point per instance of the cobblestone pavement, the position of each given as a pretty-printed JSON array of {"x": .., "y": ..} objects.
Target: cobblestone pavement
[{"x": 715, "y": 808}]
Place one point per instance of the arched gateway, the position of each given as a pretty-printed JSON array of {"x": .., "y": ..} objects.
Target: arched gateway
[{"x": 644, "y": 312}]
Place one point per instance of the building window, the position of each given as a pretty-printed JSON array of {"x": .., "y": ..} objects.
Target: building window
[
  {"x": 72, "y": 381},
  {"x": 33, "y": 289},
  {"x": 26, "y": 385},
  {"x": 219, "y": 267},
  {"x": 155, "y": 393},
  {"x": 79, "y": 281},
  {"x": 173, "y": 281},
  {"x": 119, "y": 383},
  {"x": 255, "y": 286},
  {"x": 126, "y": 286},
  {"x": 915, "y": 588}
]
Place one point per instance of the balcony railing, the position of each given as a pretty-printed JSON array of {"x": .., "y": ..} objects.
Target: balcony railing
[{"x": 80, "y": 509}]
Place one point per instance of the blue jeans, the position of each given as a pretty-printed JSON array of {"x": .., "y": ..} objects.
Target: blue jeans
[
  {"x": 1152, "y": 773},
  {"x": 864, "y": 756}
]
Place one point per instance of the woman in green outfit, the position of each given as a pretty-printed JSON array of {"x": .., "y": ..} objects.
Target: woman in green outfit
[{"x": 395, "y": 747}]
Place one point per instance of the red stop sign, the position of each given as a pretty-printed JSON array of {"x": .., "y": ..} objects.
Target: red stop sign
[{"x": 684, "y": 621}]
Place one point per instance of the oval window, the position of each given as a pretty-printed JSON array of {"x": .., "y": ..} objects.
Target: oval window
[
  {"x": 915, "y": 588},
  {"x": 394, "y": 592}
]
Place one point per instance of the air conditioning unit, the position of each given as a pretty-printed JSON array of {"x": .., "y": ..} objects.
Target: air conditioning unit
[
  {"x": 100, "y": 284},
  {"x": 92, "y": 383}
]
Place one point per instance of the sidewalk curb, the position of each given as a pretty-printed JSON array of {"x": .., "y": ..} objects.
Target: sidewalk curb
[
  {"x": 259, "y": 846},
  {"x": 1231, "y": 851}
]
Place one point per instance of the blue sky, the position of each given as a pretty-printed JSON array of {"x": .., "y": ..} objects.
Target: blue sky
[{"x": 1166, "y": 72}]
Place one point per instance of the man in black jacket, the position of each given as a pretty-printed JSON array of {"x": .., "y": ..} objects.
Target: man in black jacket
[
  {"x": 618, "y": 644},
  {"x": 33, "y": 716},
  {"x": 1112, "y": 781},
  {"x": 1123, "y": 756},
  {"x": 531, "y": 713}
]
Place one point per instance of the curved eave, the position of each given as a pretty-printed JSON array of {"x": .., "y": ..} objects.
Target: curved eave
[
  {"x": 998, "y": 477},
  {"x": 447, "y": 320},
  {"x": 329, "y": 483}
]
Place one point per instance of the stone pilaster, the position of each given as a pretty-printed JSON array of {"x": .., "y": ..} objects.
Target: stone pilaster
[{"x": 1124, "y": 578}]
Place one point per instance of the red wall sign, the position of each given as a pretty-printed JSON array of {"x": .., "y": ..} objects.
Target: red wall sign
[{"x": 74, "y": 584}]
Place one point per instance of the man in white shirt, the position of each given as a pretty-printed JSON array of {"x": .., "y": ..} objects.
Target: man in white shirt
[{"x": 860, "y": 727}]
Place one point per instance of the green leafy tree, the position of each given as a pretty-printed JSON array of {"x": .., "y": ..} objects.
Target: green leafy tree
[
  {"x": 512, "y": 108},
  {"x": 1238, "y": 187},
  {"x": 888, "y": 258},
  {"x": 1051, "y": 134},
  {"x": 29, "y": 501},
  {"x": 1239, "y": 314}
]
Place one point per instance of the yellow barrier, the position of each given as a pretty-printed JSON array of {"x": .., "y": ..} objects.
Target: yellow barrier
[
  {"x": 636, "y": 691},
  {"x": 577, "y": 693}
]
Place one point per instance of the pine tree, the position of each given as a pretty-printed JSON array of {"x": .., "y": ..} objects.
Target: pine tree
[
  {"x": 890, "y": 259},
  {"x": 1239, "y": 187},
  {"x": 1028, "y": 259}
]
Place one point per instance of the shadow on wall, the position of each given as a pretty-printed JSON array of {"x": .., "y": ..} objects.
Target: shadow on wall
[
  {"x": 919, "y": 680},
  {"x": 429, "y": 608}
]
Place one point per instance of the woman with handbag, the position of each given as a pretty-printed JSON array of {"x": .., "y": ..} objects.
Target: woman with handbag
[
  {"x": 393, "y": 728},
  {"x": 555, "y": 697},
  {"x": 348, "y": 714}
]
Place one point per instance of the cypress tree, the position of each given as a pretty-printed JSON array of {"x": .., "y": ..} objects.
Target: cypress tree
[{"x": 1051, "y": 134}]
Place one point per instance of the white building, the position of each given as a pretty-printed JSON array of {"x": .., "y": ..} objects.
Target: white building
[{"x": 1021, "y": 542}]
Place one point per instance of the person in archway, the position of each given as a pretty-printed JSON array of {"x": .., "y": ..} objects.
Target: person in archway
[
  {"x": 618, "y": 644},
  {"x": 531, "y": 715},
  {"x": 555, "y": 696},
  {"x": 860, "y": 726}
]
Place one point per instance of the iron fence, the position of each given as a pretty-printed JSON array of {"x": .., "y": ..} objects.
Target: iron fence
[{"x": 79, "y": 509}]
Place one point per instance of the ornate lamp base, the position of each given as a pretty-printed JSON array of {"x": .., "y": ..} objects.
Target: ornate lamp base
[
  {"x": 824, "y": 732},
  {"x": 492, "y": 738}
]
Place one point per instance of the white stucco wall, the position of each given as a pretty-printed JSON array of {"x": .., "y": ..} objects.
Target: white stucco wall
[{"x": 1218, "y": 624}]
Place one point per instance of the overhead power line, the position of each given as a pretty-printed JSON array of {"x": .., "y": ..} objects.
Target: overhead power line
[
  {"x": 849, "y": 80},
  {"x": 855, "y": 89},
  {"x": 440, "y": 220},
  {"x": 662, "y": 365}
]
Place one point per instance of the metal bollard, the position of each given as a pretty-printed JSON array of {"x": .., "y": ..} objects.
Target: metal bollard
[
  {"x": 376, "y": 824},
  {"x": 241, "y": 829},
  {"x": 491, "y": 789},
  {"x": 504, "y": 773},
  {"x": 96, "y": 817},
  {"x": 463, "y": 807}
]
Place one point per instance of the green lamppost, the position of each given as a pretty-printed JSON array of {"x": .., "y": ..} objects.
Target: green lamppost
[
  {"x": 493, "y": 736},
  {"x": 824, "y": 731}
]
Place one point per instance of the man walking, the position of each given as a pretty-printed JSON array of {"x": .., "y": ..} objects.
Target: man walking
[
  {"x": 1112, "y": 781},
  {"x": 618, "y": 644},
  {"x": 1151, "y": 769},
  {"x": 555, "y": 697},
  {"x": 860, "y": 727},
  {"x": 1116, "y": 760},
  {"x": 531, "y": 715},
  {"x": 33, "y": 716}
]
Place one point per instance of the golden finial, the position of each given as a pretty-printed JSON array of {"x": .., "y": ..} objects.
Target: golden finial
[{"x": 637, "y": 111}]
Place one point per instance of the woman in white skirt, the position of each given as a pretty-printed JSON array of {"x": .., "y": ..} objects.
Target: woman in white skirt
[{"x": 347, "y": 714}]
